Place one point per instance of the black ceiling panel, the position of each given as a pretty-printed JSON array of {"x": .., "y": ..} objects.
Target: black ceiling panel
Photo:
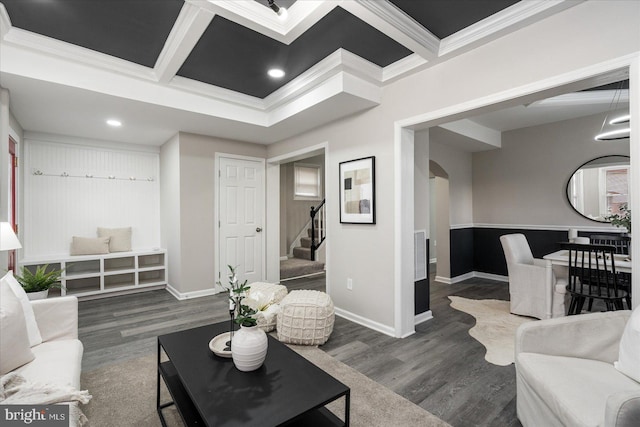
[
  {"x": 233, "y": 57},
  {"x": 446, "y": 17},
  {"x": 134, "y": 30}
]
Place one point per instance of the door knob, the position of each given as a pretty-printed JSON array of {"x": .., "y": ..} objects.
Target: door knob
[{"x": 258, "y": 229}]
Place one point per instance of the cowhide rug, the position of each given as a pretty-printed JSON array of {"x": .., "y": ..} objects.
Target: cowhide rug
[{"x": 495, "y": 327}]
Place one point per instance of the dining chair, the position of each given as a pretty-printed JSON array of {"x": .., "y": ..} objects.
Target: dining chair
[
  {"x": 622, "y": 245},
  {"x": 592, "y": 276},
  {"x": 533, "y": 290}
]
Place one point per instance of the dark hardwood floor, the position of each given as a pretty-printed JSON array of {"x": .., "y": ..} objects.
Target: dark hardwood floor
[{"x": 440, "y": 367}]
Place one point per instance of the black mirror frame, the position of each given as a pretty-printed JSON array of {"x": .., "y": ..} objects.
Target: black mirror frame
[{"x": 566, "y": 190}]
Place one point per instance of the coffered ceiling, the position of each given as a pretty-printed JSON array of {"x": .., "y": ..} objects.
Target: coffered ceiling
[{"x": 202, "y": 65}]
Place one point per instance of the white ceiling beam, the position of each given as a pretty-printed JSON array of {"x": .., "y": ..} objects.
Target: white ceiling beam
[
  {"x": 5, "y": 22},
  {"x": 187, "y": 30},
  {"x": 248, "y": 13},
  {"x": 473, "y": 130},
  {"x": 393, "y": 22}
]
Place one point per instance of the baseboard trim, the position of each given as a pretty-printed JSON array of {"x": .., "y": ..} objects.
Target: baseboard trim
[
  {"x": 371, "y": 324},
  {"x": 423, "y": 317},
  {"x": 284, "y": 258},
  {"x": 303, "y": 276},
  {"x": 188, "y": 295},
  {"x": 497, "y": 277},
  {"x": 471, "y": 275}
]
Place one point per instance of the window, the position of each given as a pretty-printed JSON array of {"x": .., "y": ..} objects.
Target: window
[{"x": 307, "y": 183}]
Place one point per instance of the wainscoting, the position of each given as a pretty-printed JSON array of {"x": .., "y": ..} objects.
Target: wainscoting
[{"x": 476, "y": 251}]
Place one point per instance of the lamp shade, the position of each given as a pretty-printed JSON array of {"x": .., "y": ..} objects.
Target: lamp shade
[{"x": 8, "y": 239}]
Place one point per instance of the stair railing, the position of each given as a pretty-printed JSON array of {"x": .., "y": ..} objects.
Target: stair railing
[{"x": 318, "y": 229}]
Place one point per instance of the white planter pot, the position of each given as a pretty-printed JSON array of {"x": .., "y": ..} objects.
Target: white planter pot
[
  {"x": 37, "y": 295},
  {"x": 249, "y": 348}
]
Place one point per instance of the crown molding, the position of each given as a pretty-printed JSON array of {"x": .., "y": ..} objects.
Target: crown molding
[
  {"x": 70, "y": 52},
  {"x": 585, "y": 97},
  {"x": 402, "y": 68},
  {"x": 396, "y": 24},
  {"x": 217, "y": 93},
  {"x": 185, "y": 34},
  {"x": 511, "y": 18},
  {"x": 5, "y": 22}
]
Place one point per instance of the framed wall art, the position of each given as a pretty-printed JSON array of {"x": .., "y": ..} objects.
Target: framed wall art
[{"x": 358, "y": 191}]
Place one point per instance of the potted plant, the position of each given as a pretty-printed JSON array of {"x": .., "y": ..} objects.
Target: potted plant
[
  {"x": 622, "y": 219},
  {"x": 37, "y": 283},
  {"x": 249, "y": 344}
]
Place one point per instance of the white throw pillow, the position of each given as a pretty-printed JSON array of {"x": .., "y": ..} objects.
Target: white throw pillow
[
  {"x": 89, "y": 245},
  {"x": 120, "y": 238},
  {"x": 629, "y": 358},
  {"x": 14, "y": 341},
  {"x": 30, "y": 318}
]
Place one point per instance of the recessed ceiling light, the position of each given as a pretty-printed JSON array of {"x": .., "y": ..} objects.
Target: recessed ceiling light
[
  {"x": 115, "y": 123},
  {"x": 276, "y": 73}
]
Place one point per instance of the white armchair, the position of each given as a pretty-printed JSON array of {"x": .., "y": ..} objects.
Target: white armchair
[
  {"x": 565, "y": 374},
  {"x": 533, "y": 288}
]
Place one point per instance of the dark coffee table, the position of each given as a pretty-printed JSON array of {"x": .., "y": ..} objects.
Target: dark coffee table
[{"x": 208, "y": 390}]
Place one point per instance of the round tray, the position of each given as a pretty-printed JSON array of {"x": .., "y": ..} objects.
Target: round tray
[{"x": 218, "y": 343}]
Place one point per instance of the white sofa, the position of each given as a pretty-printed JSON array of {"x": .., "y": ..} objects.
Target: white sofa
[
  {"x": 565, "y": 373},
  {"x": 40, "y": 354},
  {"x": 58, "y": 359}
]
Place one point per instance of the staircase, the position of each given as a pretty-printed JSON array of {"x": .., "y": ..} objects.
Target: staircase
[{"x": 303, "y": 262}]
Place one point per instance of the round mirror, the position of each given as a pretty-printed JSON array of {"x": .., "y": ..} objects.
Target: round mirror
[{"x": 599, "y": 187}]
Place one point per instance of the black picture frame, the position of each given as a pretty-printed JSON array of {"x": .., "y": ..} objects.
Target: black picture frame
[{"x": 357, "y": 180}]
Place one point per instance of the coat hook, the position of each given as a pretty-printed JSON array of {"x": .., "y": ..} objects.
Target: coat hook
[
  {"x": 37, "y": 172},
  {"x": 112, "y": 177},
  {"x": 64, "y": 174},
  {"x": 89, "y": 175},
  {"x": 150, "y": 179},
  {"x": 132, "y": 178}
]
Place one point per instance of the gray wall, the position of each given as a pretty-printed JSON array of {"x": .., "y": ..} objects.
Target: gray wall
[
  {"x": 197, "y": 249},
  {"x": 525, "y": 182}
]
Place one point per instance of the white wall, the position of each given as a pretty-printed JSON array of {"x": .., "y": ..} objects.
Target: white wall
[
  {"x": 525, "y": 181},
  {"x": 56, "y": 207},
  {"x": 584, "y": 35}
]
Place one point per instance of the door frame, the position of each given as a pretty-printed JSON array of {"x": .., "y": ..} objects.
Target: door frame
[
  {"x": 216, "y": 214},
  {"x": 273, "y": 206}
]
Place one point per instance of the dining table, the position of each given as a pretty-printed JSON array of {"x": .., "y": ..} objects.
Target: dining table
[{"x": 561, "y": 257}]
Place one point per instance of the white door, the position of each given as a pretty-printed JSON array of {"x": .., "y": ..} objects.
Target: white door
[{"x": 241, "y": 215}]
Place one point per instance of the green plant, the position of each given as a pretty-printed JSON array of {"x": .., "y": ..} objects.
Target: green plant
[
  {"x": 40, "y": 279},
  {"x": 623, "y": 219},
  {"x": 244, "y": 315}
]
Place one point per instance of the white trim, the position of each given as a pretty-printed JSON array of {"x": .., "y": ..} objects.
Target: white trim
[
  {"x": 189, "y": 295},
  {"x": 402, "y": 67},
  {"x": 390, "y": 20},
  {"x": 284, "y": 258},
  {"x": 5, "y": 21},
  {"x": 510, "y": 19},
  {"x": 442, "y": 279},
  {"x": 634, "y": 110},
  {"x": 371, "y": 324},
  {"x": 423, "y": 317},
  {"x": 490, "y": 276},
  {"x": 87, "y": 142},
  {"x": 460, "y": 226},
  {"x": 590, "y": 228},
  {"x": 471, "y": 275},
  {"x": 186, "y": 32}
]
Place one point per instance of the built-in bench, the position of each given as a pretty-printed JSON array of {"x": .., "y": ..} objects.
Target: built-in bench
[{"x": 95, "y": 275}]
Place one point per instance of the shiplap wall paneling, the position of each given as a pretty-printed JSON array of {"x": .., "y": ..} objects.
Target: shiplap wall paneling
[{"x": 97, "y": 191}]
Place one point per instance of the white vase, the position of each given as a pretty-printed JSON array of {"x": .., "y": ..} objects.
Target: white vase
[
  {"x": 37, "y": 295},
  {"x": 249, "y": 348}
]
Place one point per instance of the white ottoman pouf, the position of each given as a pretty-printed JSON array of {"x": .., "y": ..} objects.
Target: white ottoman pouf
[
  {"x": 266, "y": 297},
  {"x": 306, "y": 317}
]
